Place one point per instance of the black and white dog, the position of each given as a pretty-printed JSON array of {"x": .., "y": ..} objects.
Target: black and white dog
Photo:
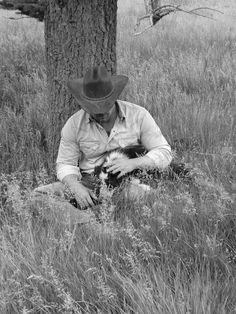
[
  {"x": 174, "y": 171},
  {"x": 103, "y": 177},
  {"x": 127, "y": 152}
]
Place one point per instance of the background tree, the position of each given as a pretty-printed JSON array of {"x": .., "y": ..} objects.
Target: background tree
[{"x": 78, "y": 35}]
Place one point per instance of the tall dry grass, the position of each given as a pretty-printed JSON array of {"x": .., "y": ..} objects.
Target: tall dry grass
[
  {"x": 183, "y": 71},
  {"x": 172, "y": 252},
  {"x": 22, "y": 94}
]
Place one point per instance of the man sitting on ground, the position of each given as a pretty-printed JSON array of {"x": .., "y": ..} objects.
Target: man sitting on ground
[{"x": 102, "y": 124}]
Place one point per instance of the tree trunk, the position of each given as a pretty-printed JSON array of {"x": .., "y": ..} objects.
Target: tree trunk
[{"x": 78, "y": 34}]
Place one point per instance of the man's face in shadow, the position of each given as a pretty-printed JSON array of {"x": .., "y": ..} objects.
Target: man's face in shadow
[{"x": 105, "y": 117}]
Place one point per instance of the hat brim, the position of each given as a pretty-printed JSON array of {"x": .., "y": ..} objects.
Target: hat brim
[{"x": 99, "y": 105}]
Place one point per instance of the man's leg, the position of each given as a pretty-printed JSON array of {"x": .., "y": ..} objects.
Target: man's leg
[
  {"x": 57, "y": 210},
  {"x": 53, "y": 203},
  {"x": 55, "y": 188},
  {"x": 59, "y": 189}
]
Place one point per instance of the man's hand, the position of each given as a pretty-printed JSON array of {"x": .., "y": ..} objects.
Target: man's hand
[
  {"x": 121, "y": 165},
  {"x": 83, "y": 195}
]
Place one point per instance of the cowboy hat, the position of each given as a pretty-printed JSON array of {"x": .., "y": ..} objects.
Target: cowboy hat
[{"x": 97, "y": 91}]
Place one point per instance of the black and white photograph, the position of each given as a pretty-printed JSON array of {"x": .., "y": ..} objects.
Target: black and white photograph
[{"x": 117, "y": 156}]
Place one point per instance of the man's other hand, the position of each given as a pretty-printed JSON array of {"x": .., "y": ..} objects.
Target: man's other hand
[
  {"x": 123, "y": 166},
  {"x": 83, "y": 195}
]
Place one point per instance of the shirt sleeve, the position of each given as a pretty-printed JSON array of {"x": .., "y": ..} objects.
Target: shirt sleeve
[
  {"x": 68, "y": 153},
  {"x": 152, "y": 139}
]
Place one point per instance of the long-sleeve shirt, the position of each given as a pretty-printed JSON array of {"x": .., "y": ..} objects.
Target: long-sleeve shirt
[{"x": 84, "y": 142}]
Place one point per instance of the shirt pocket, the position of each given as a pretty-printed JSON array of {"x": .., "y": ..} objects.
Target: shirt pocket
[
  {"x": 90, "y": 148},
  {"x": 127, "y": 139}
]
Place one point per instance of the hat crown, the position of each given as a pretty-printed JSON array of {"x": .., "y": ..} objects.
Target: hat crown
[{"x": 97, "y": 83}]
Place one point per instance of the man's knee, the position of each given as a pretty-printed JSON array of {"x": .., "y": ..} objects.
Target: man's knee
[{"x": 56, "y": 188}]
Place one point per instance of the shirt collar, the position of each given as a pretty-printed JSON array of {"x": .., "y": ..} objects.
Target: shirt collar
[{"x": 121, "y": 113}]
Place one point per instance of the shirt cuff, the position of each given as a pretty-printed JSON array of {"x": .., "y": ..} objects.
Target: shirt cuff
[
  {"x": 161, "y": 159},
  {"x": 65, "y": 170}
]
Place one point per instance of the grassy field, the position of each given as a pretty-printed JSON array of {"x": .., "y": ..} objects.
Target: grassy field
[{"x": 173, "y": 251}]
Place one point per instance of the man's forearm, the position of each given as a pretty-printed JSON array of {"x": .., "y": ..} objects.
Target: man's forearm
[
  {"x": 157, "y": 159},
  {"x": 160, "y": 156},
  {"x": 64, "y": 170},
  {"x": 143, "y": 162}
]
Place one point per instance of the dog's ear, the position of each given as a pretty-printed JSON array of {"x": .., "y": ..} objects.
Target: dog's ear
[
  {"x": 97, "y": 170},
  {"x": 113, "y": 181}
]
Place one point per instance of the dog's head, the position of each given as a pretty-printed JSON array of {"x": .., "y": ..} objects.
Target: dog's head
[
  {"x": 106, "y": 177},
  {"x": 127, "y": 152}
]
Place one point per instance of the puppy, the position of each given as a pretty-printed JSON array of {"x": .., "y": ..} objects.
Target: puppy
[
  {"x": 111, "y": 179},
  {"x": 173, "y": 172}
]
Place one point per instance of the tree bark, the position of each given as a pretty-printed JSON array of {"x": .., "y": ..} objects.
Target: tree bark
[{"x": 78, "y": 34}]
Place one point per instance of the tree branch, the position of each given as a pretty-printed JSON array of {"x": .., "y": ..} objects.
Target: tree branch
[{"x": 154, "y": 15}]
